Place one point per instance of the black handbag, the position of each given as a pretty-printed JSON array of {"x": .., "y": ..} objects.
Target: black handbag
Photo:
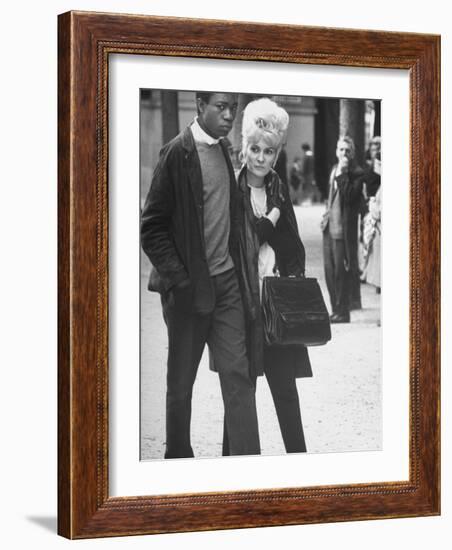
[{"x": 294, "y": 312}]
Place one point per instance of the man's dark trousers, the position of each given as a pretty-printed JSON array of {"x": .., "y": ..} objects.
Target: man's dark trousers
[
  {"x": 336, "y": 275},
  {"x": 224, "y": 331}
]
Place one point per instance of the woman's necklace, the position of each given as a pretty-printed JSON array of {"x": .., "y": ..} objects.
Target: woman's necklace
[{"x": 258, "y": 198}]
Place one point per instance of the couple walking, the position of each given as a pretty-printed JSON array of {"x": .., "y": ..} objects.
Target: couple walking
[{"x": 211, "y": 239}]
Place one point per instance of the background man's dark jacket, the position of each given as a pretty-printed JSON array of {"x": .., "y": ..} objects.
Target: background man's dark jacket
[
  {"x": 172, "y": 227},
  {"x": 350, "y": 187}
]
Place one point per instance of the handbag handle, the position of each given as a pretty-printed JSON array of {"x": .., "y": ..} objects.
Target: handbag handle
[{"x": 277, "y": 273}]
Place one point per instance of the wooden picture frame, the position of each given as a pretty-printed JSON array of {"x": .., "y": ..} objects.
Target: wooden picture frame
[{"x": 85, "y": 42}]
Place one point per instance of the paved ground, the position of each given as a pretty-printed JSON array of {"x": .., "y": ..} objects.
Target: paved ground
[{"x": 341, "y": 404}]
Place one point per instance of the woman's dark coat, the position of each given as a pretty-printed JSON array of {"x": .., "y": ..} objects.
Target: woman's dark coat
[{"x": 290, "y": 260}]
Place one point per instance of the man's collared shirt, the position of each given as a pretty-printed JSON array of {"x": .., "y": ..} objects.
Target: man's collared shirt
[{"x": 200, "y": 136}]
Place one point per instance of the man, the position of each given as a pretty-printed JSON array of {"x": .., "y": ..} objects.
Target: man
[
  {"x": 189, "y": 234},
  {"x": 340, "y": 229}
]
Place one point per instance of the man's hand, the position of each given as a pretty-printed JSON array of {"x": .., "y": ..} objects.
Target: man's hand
[
  {"x": 343, "y": 164},
  {"x": 324, "y": 220},
  {"x": 180, "y": 296}
]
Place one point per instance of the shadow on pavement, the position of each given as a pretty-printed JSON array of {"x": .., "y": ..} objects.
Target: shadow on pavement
[{"x": 46, "y": 522}]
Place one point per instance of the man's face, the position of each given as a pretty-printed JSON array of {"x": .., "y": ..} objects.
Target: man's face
[
  {"x": 216, "y": 116},
  {"x": 344, "y": 151}
]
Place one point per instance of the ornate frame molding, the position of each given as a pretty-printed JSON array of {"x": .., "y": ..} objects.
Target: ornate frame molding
[{"x": 85, "y": 42}]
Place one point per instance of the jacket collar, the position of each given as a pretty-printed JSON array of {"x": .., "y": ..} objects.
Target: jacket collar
[
  {"x": 241, "y": 178},
  {"x": 188, "y": 142}
]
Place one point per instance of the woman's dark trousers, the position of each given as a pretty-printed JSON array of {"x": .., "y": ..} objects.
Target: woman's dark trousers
[{"x": 282, "y": 382}]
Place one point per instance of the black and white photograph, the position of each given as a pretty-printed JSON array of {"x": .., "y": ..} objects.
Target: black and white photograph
[{"x": 260, "y": 287}]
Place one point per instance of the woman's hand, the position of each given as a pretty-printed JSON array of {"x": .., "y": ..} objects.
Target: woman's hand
[{"x": 274, "y": 215}]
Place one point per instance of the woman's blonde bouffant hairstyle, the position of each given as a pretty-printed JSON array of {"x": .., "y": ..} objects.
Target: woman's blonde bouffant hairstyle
[{"x": 264, "y": 119}]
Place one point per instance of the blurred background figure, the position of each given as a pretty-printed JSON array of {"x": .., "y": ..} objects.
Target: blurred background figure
[
  {"x": 295, "y": 181},
  {"x": 281, "y": 165},
  {"x": 309, "y": 192},
  {"x": 372, "y": 241},
  {"x": 371, "y": 186},
  {"x": 372, "y": 170}
]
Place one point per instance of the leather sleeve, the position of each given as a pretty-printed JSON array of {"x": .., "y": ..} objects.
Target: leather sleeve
[
  {"x": 264, "y": 229},
  {"x": 289, "y": 249}
]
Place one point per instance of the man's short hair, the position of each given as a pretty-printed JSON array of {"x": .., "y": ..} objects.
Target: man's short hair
[{"x": 203, "y": 96}]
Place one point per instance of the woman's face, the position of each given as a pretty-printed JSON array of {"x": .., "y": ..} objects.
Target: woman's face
[
  {"x": 374, "y": 150},
  {"x": 260, "y": 157}
]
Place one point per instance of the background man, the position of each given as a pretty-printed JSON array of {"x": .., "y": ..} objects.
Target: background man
[
  {"x": 340, "y": 229},
  {"x": 189, "y": 234}
]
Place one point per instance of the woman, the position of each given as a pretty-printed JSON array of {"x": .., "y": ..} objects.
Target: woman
[
  {"x": 269, "y": 242},
  {"x": 371, "y": 184},
  {"x": 372, "y": 237}
]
